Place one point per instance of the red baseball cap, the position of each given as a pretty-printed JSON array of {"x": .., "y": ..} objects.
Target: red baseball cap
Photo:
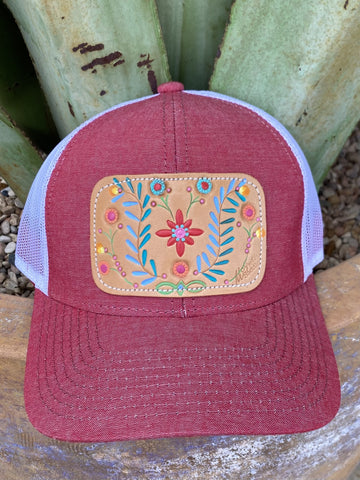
[{"x": 171, "y": 240}]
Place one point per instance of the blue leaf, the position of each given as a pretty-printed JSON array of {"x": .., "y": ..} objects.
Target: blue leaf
[
  {"x": 115, "y": 199},
  {"x": 145, "y": 240},
  {"x": 139, "y": 274},
  {"x": 153, "y": 266},
  {"x": 214, "y": 219},
  {"x": 132, "y": 259},
  {"x": 234, "y": 202},
  {"x": 131, "y": 215},
  {"x": 116, "y": 181},
  {"x": 211, "y": 250},
  {"x": 242, "y": 198},
  {"x": 214, "y": 241},
  {"x": 226, "y": 252},
  {"x": 228, "y": 220},
  {"x": 216, "y": 203},
  {"x": 213, "y": 229},
  {"x": 230, "y": 210},
  {"x": 129, "y": 204},
  {"x": 243, "y": 181},
  {"x": 231, "y": 186},
  {"x": 210, "y": 277},
  {"x": 146, "y": 200},
  {"x": 145, "y": 230},
  {"x": 139, "y": 190},
  {"x": 144, "y": 256},
  {"x": 146, "y": 214},
  {"x": 198, "y": 263},
  {"x": 228, "y": 230},
  {"x": 131, "y": 245},
  {"x": 129, "y": 228},
  {"x": 222, "y": 194},
  {"x": 228, "y": 240},
  {"x": 206, "y": 259},
  {"x": 217, "y": 272},
  {"x": 223, "y": 262},
  {"x": 148, "y": 280},
  {"x": 128, "y": 181}
]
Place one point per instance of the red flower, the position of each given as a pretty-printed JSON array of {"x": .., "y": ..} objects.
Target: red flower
[{"x": 180, "y": 233}]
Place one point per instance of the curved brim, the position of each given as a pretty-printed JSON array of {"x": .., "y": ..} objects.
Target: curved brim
[{"x": 92, "y": 377}]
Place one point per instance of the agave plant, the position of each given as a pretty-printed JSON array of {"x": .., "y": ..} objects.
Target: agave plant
[{"x": 298, "y": 61}]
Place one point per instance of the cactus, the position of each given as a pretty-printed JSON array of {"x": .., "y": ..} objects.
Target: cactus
[
  {"x": 193, "y": 30},
  {"x": 20, "y": 161},
  {"x": 298, "y": 61}
]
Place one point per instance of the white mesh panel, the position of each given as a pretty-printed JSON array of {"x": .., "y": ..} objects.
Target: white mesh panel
[
  {"x": 31, "y": 249},
  {"x": 312, "y": 225}
]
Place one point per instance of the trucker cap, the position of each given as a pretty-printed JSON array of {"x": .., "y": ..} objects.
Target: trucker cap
[{"x": 171, "y": 240}]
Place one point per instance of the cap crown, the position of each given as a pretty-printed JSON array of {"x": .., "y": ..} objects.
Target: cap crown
[{"x": 173, "y": 132}]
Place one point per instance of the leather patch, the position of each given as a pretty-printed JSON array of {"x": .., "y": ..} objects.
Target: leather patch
[{"x": 178, "y": 235}]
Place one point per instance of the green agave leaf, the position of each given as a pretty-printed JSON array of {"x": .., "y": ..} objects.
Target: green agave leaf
[
  {"x": 20, "y": 92},
  {"x": 19, "y": 160},
  {"x": 300, "y": 62},
  {"x": 90, "y": 55},
  {"x": 193, "y": 30}
]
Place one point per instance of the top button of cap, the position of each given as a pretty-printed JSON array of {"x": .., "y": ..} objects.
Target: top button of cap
[{"x": 170, "y": 87}]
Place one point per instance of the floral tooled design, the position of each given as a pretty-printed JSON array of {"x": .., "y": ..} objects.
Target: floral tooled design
[
  {"x": 230, "y": 225},
  {"x": 180, "y": 233}
]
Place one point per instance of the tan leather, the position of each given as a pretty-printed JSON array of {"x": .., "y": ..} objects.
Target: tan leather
[{"x": 136, "y": 235}]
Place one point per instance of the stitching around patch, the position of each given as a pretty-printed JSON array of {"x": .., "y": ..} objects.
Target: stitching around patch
[{"x": 193, "y": 288}]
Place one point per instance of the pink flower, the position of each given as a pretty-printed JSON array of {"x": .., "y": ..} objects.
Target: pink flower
[{"x": 180, "y": 233}]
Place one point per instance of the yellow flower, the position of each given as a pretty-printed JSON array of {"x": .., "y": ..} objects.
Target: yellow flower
[
  {"x": 100, "y": 248},
  {"x": 244, "y": 190},
  {"x": 114, "y": 191},
  {"x": 260, "y": 232}
]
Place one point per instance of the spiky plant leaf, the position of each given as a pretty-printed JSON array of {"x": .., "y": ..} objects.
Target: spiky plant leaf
[
  {"x": 300, "y": 62},
  {"x": 19, "y": 160},
  {"x": 20, "y": 92},
  {"x": 193, "y": 30}
]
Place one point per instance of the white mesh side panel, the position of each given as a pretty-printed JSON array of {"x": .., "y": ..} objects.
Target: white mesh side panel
[
  {"x": 312, "y": 225},
  {"x": 31, "y": 250}
]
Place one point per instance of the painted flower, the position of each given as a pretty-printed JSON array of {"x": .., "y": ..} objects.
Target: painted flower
[
  {"x": 204, "y": 185},
  {"x": 180, "y": 269},
  {"x": 180, "y": 233},
  {"x": 104, "y": 268},
  {"x": 248, "y": 211},
  {"x": 111, "y": 215},
  {"x": 157, "y": 186}
]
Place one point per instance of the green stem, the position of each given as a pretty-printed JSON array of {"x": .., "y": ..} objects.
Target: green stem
[{"x": 166, "y": 205}]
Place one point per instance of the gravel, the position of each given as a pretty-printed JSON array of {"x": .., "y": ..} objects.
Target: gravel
[
  {"x": 340, "y": 204},
  {"x": 339, "y": 199}
]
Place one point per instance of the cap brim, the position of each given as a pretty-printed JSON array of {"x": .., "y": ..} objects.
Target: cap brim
[{"x": 92, "y": 377}]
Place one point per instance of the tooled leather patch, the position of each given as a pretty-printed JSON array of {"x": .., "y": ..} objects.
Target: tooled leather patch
[{"x": 178, "y": 235}]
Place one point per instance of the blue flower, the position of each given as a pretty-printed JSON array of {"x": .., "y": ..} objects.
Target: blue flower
[
  {"x": 204, "y": 185},
  {"x": 157, "y": 186}
]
